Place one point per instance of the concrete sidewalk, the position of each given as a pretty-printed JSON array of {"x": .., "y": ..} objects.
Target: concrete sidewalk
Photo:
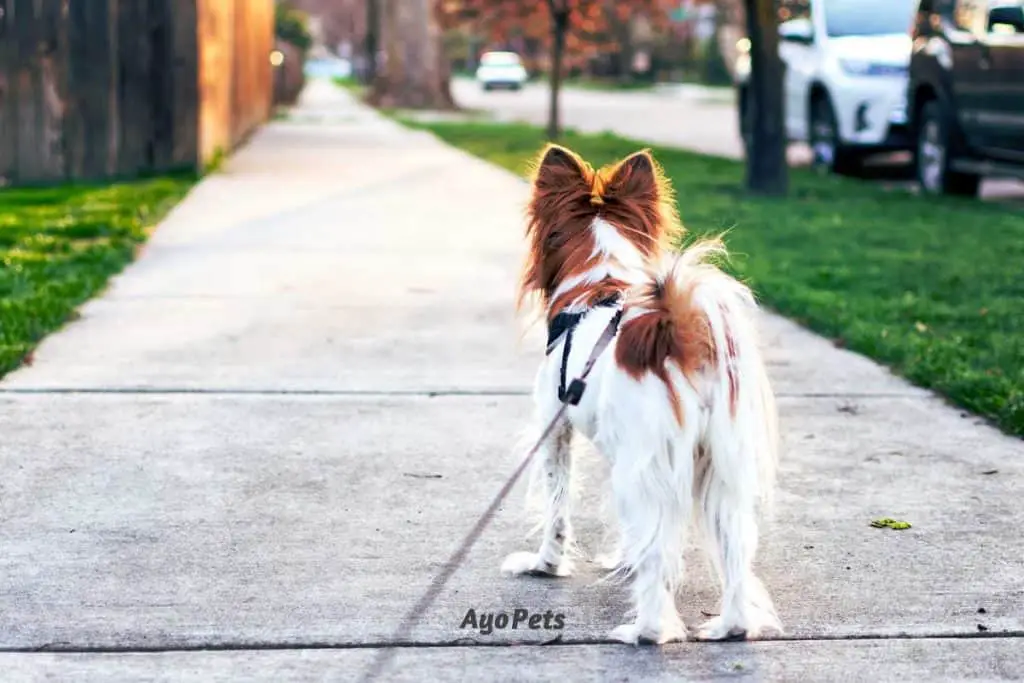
[{"x": 248, "y": 460}]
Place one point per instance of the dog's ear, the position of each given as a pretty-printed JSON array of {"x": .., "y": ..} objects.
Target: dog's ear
[
  {"x": 560, "y": 169},
  {"x": 637, "y": 177},
  {"x": 641, "y": 198}
]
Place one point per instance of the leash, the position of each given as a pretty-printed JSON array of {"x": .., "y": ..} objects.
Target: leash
[{"x": 572, "y": 397}]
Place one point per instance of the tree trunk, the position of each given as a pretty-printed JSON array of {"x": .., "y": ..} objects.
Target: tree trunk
[
  {"x": 442, "y": 74},
  {"x": 767, "y": 171},
  {"x": 413, "y": 75},
  {"x": 559, "y": 26},
  {"x": 372, "y": 40}
]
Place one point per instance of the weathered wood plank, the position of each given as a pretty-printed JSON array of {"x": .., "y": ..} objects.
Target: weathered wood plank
[
  {"x": 113, "y": 97},
  {"x": 29, "y": 137},
  {"x": 91, "y": 79},
  {"x": 185, "y": 84},
  {"x": 216, "y": 27},
  {"x": 252, "y": 84},
  {"x": 53, "y": 77},
  {"x": 135, "y": 57},
  {"x": 8, "y": 95},
  {"x": 160, "y": 83}
]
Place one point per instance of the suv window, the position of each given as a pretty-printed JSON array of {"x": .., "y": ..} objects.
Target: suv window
[
  {"x": 868, "y": 17},
  {"x": 794, "y": 9},
  {"x": 982, "y": 17},
  {"x": 969, "y": 15},
  {"x": 1006, "y": 19},
  {"x": 500, "y": 59}
]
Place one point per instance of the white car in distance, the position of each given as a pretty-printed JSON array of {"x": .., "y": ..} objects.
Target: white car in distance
[
  {"x": 501, "y": 70},
  {"x": 846, "y": 67}
]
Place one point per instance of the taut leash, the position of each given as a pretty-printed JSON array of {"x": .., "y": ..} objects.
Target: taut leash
[{"x": 573, "y": 394}]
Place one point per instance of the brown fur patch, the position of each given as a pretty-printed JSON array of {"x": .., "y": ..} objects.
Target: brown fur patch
[
  {"x": 675, "y": 329},
  {"x": 587, "y": 295},
  {"x": 730, "y": 368}
]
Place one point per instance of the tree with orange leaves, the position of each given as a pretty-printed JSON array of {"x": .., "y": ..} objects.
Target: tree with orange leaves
[{"x": 578, "y": 27}]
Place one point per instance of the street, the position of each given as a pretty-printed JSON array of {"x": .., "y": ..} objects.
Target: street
[{"x": 691, "y": 117}]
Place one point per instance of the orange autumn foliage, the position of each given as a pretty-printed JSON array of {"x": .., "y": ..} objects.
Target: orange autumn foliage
[{"x": 595, "y": 26}]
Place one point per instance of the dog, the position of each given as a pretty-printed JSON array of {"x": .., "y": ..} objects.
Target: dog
[{"x": 679, "y": 402}]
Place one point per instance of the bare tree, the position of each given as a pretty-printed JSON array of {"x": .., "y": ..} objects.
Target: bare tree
[
  {"x": 767, "y": 171},
  {"x": 559, "y": 27},
  {"x": 415, "y": 73}
]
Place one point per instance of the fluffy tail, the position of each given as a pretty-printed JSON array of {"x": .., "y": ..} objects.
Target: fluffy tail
[{"x": 696, "y": 315}]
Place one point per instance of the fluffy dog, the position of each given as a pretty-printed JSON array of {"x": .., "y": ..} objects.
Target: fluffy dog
[{"x": 679, "y": 403}]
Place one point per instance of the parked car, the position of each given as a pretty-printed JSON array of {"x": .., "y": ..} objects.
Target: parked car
[
  {"x": 845, "y": 79},
  {"x": 501, "y": 70},
  {"x": 328, "y": 66},
  {"x": 966, "y": 93}
]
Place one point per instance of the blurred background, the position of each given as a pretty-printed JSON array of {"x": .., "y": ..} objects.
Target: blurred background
[
  {"x": 119, "y": 89},
  {"x": 678, "y": 72}
]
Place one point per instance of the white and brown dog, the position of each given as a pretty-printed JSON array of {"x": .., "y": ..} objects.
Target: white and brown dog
[{"x": 680, "y": 403}]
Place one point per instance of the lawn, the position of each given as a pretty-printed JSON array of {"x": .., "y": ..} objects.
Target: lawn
[
  {"x": 349, "y": 83},
  {"x": 59, "y": 246},
  {"x": 933, "y": 288}
]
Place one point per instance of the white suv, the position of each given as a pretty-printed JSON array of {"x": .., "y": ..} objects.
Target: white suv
[{"x": 846, "y": 64}]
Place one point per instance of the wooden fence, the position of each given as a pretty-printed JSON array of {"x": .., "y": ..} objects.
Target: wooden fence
[{"x": 99, "y": 89}]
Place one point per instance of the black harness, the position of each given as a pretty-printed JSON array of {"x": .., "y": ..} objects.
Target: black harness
[{"x": 565, "y": 323}]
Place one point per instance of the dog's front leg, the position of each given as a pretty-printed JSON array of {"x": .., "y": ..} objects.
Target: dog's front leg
[{"x": 554, "y": 468}]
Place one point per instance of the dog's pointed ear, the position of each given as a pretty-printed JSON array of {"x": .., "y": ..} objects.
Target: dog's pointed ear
[
  {"x": 635, "y": 177},
  {"x": 559, "y": 168}
]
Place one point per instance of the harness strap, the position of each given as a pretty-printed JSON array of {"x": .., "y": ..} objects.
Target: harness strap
[
  {"x": 565, "y": 324},
  {"x": 566, "y": 350},
  {"x": 561, "y": 324}
]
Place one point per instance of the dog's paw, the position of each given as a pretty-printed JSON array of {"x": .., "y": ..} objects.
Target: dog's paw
[
  {"x": 531, "y": 564},
  {"x": 609, "y": 561},
  {"x": 735, "y": 627},
  {"x": 717, "y": 629},
  {"x": 670, "y": 631}
]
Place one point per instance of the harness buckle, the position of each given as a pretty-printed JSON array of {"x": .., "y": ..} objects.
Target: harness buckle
[
  {"x": 574, "y": 392},
  {"x": 565, "y": 324}
]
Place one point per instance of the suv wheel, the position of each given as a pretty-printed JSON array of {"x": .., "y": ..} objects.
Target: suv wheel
[
  {"x": 932, "y": 156},
  {"x": 829, "y": 152}
]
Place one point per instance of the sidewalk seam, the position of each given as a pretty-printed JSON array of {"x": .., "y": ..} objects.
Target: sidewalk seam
[{"x": 58, "y": 648}]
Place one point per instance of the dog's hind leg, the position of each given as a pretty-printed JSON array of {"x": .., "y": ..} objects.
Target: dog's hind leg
[
  {"x": 554, "y": 469},
  {"x": 729, "y": 521},
  {"x": 653, "y": 495}
]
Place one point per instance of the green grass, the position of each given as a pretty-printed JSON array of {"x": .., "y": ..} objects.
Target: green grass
[
  {"x": 933, "y": 288},
  {"x": 59, "y": 246},
  {"x": 357, "y": 89}
]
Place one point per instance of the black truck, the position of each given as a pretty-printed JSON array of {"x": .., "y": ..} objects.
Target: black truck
[{"x": 965, "y": 99}]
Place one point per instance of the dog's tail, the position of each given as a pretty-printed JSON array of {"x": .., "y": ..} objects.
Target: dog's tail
[{"x": 701, "y": 318}]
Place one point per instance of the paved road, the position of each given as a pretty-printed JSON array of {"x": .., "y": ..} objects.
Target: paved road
[
  {"x": 250, "y": 457},
  {"x": 696, "y": 118}
]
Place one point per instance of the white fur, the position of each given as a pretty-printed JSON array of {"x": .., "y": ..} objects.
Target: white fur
[{"x": 714, "y": 469}]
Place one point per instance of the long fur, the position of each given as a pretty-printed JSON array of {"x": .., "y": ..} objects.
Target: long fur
[{"x": 680, "y": 404}]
